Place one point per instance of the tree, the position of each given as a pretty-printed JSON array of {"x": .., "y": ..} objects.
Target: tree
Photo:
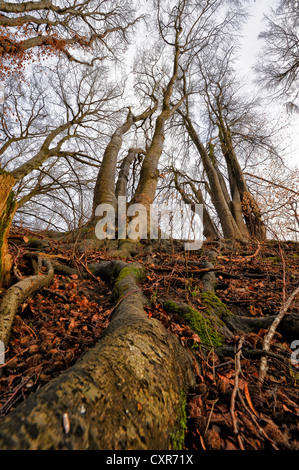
[
  {"x": 29, "y": 138},
  {"x": 278, "y": 65},
  {"x": 229, "y": 132},
  {"x": 186, "y": 29}
]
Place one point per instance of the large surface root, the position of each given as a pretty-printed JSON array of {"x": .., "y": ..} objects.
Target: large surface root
[{"x": 125, "y": 393}]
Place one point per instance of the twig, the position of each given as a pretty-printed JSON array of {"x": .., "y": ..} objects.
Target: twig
[
  {"x": 210, "y": 416},
  {"x": 270, "y": 334},
  {"x": 55, "y": 293},
  {"x": 235, "y": 391}
]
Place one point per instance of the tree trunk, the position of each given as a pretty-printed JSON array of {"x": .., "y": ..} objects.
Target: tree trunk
[
  {"x": 249, "y": 206},
  {"x": 122, "y": 181},
  {"x": 104, "y": 190},
  {"x": 229, "y": 227},
  {"x": 209, "y": 228},
  {"x": 127, "y": 393},
  {"x": 7, "y": 211}
]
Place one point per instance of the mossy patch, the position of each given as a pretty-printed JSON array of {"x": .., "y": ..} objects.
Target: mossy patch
[
  {"x": 214, "y": 304},
  {"x": 178, "y": 436},
  {"x": 204, "y": 326},
  {"x": 127, "y": 277}
]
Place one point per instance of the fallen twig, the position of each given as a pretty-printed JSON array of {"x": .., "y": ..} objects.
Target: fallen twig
[{"x": 235, "y": 391}]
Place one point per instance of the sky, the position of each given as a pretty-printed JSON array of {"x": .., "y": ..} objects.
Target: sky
[
  {"x": 255, "y": 24},
  {"x": 248, "y": 55}
]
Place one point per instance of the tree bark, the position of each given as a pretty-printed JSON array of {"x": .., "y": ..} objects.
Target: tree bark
[
  {"x": 122, "y": 181},
  {"x": 104, "y": 190},
  {"x": 229, "y": 227},
  {"x": 124, "y": 394},
  {"x": 147, "y": 185},
  {"x": 7, "y": 211},
  {"x": 239, "y": 188}
]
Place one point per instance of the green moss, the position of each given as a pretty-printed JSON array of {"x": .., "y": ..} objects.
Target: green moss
[
  {"x": 178, "y": 436},
  {"x": 213, "y": 302},
  {"x": 204, "y": 326},
  {"x": 131, "y": 274},
  {"x": 172, "y": 307}
]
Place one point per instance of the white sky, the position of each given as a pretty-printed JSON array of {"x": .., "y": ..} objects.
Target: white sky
[
  {"x": 248, "y": 54},
  {"x": 251, "y": 44}
]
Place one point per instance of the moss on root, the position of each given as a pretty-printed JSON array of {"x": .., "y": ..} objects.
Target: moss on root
[
  {"x": 178, "y": 436},
  {"x": 124, "y": 280},
  {"x": 204, "y": 326},
  {"x": 214, "y": 304}
]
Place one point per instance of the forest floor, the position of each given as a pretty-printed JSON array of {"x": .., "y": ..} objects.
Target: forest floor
[{"x": 225, "y": 410}]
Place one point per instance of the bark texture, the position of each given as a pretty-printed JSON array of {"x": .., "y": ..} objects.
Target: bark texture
[
  {"x": 228, "y": 223},
  {"x": 125, "y": 393},
  {"x": 7, "y": 211}
]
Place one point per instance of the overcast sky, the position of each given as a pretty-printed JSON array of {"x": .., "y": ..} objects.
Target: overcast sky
[
  {"x": 255, "y": 24},
  {"x": 248, "y": 54}
]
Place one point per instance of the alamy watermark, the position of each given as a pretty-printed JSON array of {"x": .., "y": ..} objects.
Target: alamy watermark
[
  {"x": 1, "y": 92},
  {"x": 295, "y": 354},
  {"x": 164, "y": 221}
]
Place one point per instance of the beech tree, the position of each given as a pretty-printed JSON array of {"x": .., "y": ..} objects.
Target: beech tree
[
  {"x": 73, "y": 136},
  {"x": 29, "y": 139},
  {"x": 229, "y": 132},
  {"x": 186, "y": 29}
]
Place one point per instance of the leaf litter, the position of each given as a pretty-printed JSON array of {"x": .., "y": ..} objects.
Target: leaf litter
[{"x": 54, "y": 328}]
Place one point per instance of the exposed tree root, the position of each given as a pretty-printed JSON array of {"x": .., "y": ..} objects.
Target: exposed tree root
[
  {"x": 288, "y": 327},
  {"x": 17, "y": 294},
  {"x": 125, "y": 393}
]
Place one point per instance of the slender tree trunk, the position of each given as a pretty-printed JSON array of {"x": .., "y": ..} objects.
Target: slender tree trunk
[
  {"x": 149, "y": 174},
  {"x": 249, "y": 206},
  {"x": 122, "y": 181},
  {"x": 236, "y": 203},
  {"x": 229, "y": 227},
  {"x": 7, "y": 211},
  {"x": 209, "y": 228}
]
